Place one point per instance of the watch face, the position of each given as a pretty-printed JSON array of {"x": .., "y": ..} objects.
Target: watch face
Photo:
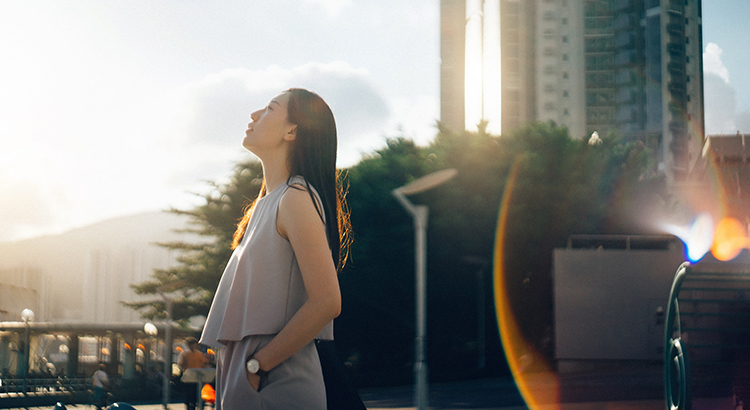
[{"x": 253, "y": 366}]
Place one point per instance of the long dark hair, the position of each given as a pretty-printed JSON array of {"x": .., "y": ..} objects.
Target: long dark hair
[{"x": 313, "y": 156}]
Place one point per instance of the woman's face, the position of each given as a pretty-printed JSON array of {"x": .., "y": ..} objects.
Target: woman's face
[{"x": 269, "y": 127}]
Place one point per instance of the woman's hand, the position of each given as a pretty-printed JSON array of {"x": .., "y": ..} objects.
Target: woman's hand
[{"x": 253, "y": 379}]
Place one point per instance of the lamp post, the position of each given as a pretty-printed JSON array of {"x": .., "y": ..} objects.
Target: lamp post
[
  {"x": 168, "y": 287},
  {"x": 27, "y": 315},
  {"x": 420, "y": 213},
  {"x": 152, "y": 331},
  {"x": 481, "y": 344}
]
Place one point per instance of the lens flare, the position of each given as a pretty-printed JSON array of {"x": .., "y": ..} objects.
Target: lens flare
[
  {"x": 519, "y": 353},
  {"x": 697, "y": 238},
  {"x": 730, "y": 239}
]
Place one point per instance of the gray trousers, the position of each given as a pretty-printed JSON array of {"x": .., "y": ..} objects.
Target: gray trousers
[{"x": 297, "y": 383}]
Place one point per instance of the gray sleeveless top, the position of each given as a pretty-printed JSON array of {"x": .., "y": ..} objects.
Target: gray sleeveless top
[{"x": 261, "y": 287}]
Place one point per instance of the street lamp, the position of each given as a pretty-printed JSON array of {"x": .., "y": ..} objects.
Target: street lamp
[
  {"x": 419, "y": 213},
  {"x": 168, "y": 287},
  {"x": 27, "y": 315},
  {"x": 482, "y": 263},
  {"x": 150, "y": 329}
]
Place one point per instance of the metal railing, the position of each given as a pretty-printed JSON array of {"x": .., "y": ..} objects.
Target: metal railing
[{"x": 20, "y": 392}]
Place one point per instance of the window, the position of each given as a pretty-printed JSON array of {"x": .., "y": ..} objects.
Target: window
[
  {"x": 687, "y": 21},
  {"x": 687, "y": 40},
  {"x": 565, "y": 39},
  {"x": 687, "y": 79},
  {"x": 565, "y": 93},
  {"x": 565, "y": 57},
  {"x": 564, "y": 21},
  {"x": 688, "y": 97},
  {"x": 565, "y": 75},
  {"x": 687, "y": 59},
  {"x": 565, "y": 112}
]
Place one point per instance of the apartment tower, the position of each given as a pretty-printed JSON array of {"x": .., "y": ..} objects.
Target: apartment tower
[
  {"x": 487, "y": 64},
  {"x": 634, "y": 66}
]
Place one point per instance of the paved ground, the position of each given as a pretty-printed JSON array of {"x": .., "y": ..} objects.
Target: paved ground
[
  {"x": 612, "y": 389},
  {"x": 575, "y": 393}
]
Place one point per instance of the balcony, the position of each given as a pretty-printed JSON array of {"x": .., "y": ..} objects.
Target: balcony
[
  {"x": 676, "y": 49},
  {"x": 677, "y": 127},
  {"x": 675, "y": 7},
  {"x": 676, "y": 29},
  {"x": 676, "y": 68}
]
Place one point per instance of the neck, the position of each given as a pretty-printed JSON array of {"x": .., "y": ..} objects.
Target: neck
[{"x": 275, "y": 173}]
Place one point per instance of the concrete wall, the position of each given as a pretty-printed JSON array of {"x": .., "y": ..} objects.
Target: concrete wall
[{"x": 606, "y": 302}]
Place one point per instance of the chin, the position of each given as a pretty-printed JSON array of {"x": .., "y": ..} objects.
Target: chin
[{"x": 246, "y": 144}]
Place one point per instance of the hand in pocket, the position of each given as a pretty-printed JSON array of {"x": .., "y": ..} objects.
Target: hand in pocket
[{"x": 253, "y": 379}]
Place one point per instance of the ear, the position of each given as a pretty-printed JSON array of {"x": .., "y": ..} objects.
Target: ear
[{"x": 291, "y": 135}]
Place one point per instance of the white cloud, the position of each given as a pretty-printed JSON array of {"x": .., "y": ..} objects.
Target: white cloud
[
  {"x": 416, "y": 117},
  {"x": 721, "y": 105},
  {"x": 218, "y": 108},
  {"x": 712, "y": 62}
]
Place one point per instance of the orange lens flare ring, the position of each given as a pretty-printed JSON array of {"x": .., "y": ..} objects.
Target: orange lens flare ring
[
  {"x": 730, "y": 238},
  {"x": 541, "y": 387}
]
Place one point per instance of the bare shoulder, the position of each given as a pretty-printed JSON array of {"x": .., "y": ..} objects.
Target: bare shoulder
[
  {"x": 296, "y": 211},
  {"x": 297, "y": 196}
]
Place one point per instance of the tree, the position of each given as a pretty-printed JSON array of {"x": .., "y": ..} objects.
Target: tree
[
  {"x": 564, "y": 187},
  {"x": 201, "y": 263}
]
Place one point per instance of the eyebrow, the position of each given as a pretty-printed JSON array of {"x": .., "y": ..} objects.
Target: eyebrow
[{"x": 274, "y": 101}]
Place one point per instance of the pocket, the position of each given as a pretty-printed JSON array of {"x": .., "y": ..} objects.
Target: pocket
[
  {"x": 252, "y": 344},
  {"x": 249, "y": 385}
]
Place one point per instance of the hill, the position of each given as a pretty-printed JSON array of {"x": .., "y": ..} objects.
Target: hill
[{"x": 73, "y": 270}]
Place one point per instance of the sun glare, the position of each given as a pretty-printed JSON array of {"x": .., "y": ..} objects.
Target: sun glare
[
  {"x": 697, "y": 238},
  {"x": 473, "y": 65},
  {"x": 725, "y": 240}
]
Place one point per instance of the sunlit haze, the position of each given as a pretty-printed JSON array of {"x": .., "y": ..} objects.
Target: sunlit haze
[
  {"x": 112, "y": 108},
  {"x": 115, "y": 108}
]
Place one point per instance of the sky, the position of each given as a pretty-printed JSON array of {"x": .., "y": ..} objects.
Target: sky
[{"x": 120, "y": 107}]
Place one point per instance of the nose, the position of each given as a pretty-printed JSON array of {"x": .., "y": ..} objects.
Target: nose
[{"x": 255, "y": 115}]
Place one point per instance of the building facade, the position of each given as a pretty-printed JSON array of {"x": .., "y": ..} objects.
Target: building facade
[{"x": 632, "y": 66}]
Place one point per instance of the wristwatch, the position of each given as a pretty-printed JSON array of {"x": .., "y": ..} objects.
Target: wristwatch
[{"x": 253, "y": 366}]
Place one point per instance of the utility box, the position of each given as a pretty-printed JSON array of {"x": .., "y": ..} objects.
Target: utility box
[{"x": 611, "y": 293}]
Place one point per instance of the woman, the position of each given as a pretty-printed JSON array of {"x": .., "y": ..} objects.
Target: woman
[{"x": 279, "y": 290}]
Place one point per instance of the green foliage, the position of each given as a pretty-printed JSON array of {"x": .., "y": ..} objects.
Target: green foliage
[
  {"x": 194, "y": 280},
  {"x": 564, "y": 187}
]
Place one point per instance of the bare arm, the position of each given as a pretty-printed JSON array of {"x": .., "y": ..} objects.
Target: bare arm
[{"x": 299, "y": 222}]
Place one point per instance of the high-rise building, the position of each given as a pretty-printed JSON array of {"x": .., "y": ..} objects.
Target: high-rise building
[
  {"x": 487, "y": 64},
  {"x": 634, "y": 66}
]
